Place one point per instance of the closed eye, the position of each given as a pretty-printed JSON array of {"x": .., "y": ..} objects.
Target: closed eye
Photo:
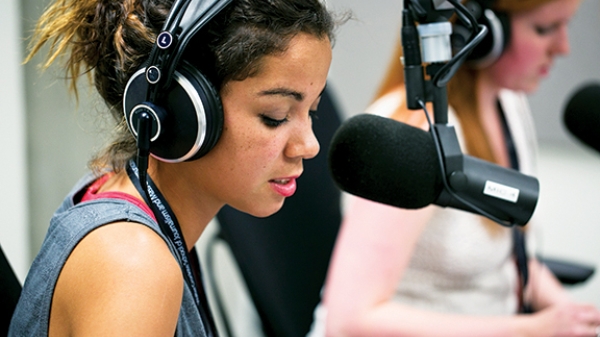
[
  {"x": 272, "y": 122},
  {"x": 546, "y": 30}
]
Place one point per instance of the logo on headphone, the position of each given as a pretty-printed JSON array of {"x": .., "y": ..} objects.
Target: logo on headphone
[{"x": 164, "y": 40}]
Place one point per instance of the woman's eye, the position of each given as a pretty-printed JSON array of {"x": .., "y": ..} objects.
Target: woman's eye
[
  {"x": 544, "y": 30},
  {"x": 272, "y": 122}
]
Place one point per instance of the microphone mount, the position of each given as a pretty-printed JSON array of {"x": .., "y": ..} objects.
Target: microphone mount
[
  {"x": 428, "y": 60},
  {"x": 502, "y": 195}
]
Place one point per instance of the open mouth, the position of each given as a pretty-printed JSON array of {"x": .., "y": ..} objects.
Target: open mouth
[
  {"x": 284, "y": 186},
  {"x": 281, "y": 181}
]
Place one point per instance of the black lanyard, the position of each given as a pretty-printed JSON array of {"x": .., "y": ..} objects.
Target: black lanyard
[
  {"x": 170, "y": 228},
  {"x": 519, "y": 249}
]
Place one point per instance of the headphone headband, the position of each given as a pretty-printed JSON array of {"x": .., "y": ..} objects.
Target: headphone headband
[
  {"x": 486, "y": 3},
  {"x": 184, "y": 108},
  {"x": 185, "y": 19}
]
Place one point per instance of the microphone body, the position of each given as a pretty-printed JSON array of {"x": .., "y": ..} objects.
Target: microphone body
[
  {"x": 396, "y": 164},
  {"x": 504, "y": 193},
  {"x": 582, "y": 115}
]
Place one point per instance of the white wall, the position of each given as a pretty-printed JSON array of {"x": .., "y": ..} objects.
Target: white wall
[
  {"x": 569, "y": 210},
  {"x": 14, "y": 234},
  {"x": 62, "y": 133}
]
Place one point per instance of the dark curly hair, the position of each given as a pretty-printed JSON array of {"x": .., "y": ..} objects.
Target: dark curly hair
[{"x": 110, "y": 39}]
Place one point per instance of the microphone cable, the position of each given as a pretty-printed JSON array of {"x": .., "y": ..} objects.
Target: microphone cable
[
  {"x": 144, "y": 127},
  {"x": 446, "y": 72}
]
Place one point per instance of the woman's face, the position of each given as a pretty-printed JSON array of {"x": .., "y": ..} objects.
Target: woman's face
[
  {"x": 537, "y": 37},
  {"x": 267, "y": 129}
]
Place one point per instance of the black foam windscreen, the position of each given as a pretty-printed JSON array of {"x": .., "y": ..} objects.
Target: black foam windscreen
[
  {"x": 386, "y": 161},
  {"x": 582, "y": 115}
]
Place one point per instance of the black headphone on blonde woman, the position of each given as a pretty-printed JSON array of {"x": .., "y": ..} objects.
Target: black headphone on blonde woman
[
  {"x": 171, "y": 108},
  {"x": 495, "y": 41}
]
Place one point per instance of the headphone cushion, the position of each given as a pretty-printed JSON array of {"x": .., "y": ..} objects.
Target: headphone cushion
[
  {"x": 498, "y": 35},
  {"x": 212, "y": 106},
  {"x": 193, "y": 119},
  {"x": 495, "y": 41}
]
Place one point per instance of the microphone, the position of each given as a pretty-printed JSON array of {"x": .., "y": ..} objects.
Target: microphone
[
  {"x": 393, "y": 163},
  {"x": 582, "y": 115}
]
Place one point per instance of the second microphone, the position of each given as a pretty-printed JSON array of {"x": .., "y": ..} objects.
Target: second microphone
[{"x": 396, "y": 164}]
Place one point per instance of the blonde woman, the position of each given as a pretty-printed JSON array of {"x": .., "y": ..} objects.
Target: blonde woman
[{"x": 443, "y": 272}]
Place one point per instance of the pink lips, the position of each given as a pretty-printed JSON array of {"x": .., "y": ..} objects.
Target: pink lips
[
  {"x": 284, "y": 186},
  {"x": 545, "y": 70}
]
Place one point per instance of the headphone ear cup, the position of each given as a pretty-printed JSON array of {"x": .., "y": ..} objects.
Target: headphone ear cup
[
  {"x": 494, "y": 42},
  {"x": 197, "y": 109},
  {"x": 194, "y": 114}
]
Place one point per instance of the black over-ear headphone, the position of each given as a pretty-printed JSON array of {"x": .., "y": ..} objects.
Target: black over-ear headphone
[
  {"x": 185, "y": 109},
  {"x": 495, "y": 41}
]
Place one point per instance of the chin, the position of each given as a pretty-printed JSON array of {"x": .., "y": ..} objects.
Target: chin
[
  {"x": 531, "y": 86},
  {"x": 531, "y": 89},
  {"x": 262, "y": 212}
]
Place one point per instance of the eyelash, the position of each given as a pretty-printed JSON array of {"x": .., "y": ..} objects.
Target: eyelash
[
  {"x": 544, "y": 30},
  {"x": 271, "y": 122}
]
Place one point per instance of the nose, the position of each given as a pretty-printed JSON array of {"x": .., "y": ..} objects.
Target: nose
[
  {"x": 561, "y": 44},
  {"x": 303, "y": 143}
]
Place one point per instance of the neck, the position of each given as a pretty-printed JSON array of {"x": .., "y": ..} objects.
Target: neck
[
  {"x": 489, "y": 116},
  {"x": 487, "y": 94},
  {"x": 192, "y": 208}
]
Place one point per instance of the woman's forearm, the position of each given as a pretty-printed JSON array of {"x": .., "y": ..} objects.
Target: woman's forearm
[
  {"x": 544, "y": 289},
  {"x": 393, "y": 319}
]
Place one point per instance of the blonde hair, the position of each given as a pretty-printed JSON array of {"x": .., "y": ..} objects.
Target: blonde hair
[
  {"x": 111, "y": 39},
  {"x": 107, "y": 41}
]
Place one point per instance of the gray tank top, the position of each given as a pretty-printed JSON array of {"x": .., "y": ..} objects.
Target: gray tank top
[{"x": 69, "y": 225}]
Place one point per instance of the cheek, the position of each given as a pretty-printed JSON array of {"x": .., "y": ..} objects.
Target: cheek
[
  {"x": 250, "y": 147},
  {"x": 526, "y": 60},
  {"x": 515, "y": 65},
  {"x": 525, "y": 54},
  {"x": 264, "y": 150}
]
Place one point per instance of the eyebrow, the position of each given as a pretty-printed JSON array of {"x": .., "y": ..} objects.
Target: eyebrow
[{"x": 298, "y": 96}]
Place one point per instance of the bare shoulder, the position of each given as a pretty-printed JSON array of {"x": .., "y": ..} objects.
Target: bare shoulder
[{"x": 121, "y": 279}]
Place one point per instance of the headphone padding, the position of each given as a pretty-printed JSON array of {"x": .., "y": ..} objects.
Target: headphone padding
[
  {"x": 194, "y": 114},
  {"x": 213, "y": 108},
  {"x": 493, "y": 44}
]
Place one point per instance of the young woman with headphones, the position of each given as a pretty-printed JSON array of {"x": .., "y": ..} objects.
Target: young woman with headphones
[
  {"x": 213, "y": 102},
  {"x": 444, "y": 272}
]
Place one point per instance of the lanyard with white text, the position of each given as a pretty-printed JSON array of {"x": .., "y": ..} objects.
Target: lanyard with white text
[{"x": 170, "y": 228}]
